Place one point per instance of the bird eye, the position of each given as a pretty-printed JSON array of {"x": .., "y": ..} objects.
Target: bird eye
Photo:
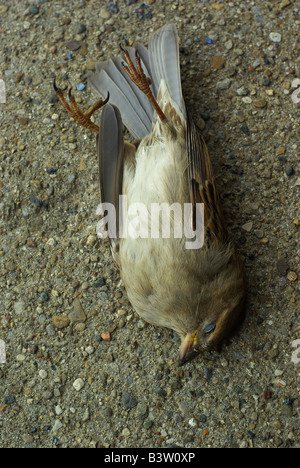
[{"x": 209, "y": 328}]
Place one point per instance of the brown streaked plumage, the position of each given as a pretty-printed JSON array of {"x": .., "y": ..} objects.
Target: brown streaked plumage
[{"x": 200, "y": 292}]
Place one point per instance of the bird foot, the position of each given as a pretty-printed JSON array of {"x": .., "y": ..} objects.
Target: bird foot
[
  {"x": 138, "y": 77},
  {"x": 72, "y": 108}
]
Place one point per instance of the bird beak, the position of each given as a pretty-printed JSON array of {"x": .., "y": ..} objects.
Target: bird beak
[{"x": 188, "y": 348}]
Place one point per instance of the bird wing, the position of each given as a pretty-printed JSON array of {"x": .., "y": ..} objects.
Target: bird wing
[
  {"x": 110, "y": 149},
  {"x": 165, "y": 66},
  {"x": 202, "y": 184}
]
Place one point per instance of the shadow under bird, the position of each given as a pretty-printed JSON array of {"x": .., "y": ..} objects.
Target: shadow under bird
[{"x": 198, "y": 292}]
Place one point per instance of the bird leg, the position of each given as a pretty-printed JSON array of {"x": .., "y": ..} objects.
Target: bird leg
[
  {"x": 138, "y": 77},
  {"x": 75, "y": 112}
]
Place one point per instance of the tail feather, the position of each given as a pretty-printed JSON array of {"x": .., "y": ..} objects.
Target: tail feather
[
  {"x": 164, "y": 62},
  {"x": 135, "y": 109},
  {"x": 160, "y": 62}
]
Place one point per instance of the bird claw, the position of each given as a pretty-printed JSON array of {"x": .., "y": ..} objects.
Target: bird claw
[
  {"x": 138, "y": 77},
  {"x": 72, "y": 108}
]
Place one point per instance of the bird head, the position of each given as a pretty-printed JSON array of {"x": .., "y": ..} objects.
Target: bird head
[{"x": 219, "y": 313}]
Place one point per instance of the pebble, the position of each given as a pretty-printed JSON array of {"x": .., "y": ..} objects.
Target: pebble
[
  {"x": 148, "y": 423},
  {"x": 106, "y": 336},
  {"x": 284, "y": 3},
  {"x": 32, "y": 348},
  {"x": 9, "y": 400},
  {"x": 99, "y": 283},
  {"x": 81, "y": 28},
  {"x": 60, "y": 321},
  {"x": 256, "y": 64},
  {"x": 91, "y": 240},
  {"x": 218, "y": 6},
  {"x": 125, "y": 432},
  {"x": 247, "y": 99},
  {"x": 229, "y": 44},
  {"x": 44, "y": 296},
  {"x": 245, "y": 130},
  {"x": 104, "y": 13},
  {"x": 35, "y": 201},
  {"x": 34, "y": 10},
  {"x": 289, "y": 171},
  {"x": 47, "y": 395},
  {"x": 275, "y": 37},
  {"x": 242, "y": 91},
  {"x": 260, "y": 103},
  {"x": 90, "y": 350},
  {"x": 31, "y": 244},
  {"x": 142, "y": 410},
  {"x": 80, "y": 87},
  {"x": 19, "y": 307},
  {"x": 217, "y": 62},
  {"x": 266, "y": 81},
  {"x": 208, "y": 372},
  {"x": 77, "y": 313},
  {"x": 224, "y": 84},
  {"x": 50, "y": 329},
  {"x": 86, "y": 415},
  {"x": 202, "y": 419},
  {"x": 79, "y": 327},
  {"x": 128, "y": 401},
  {"x": 73, "y": 45},
  {"x": 56, "y": 426},
  {"x": 247, "y": 226},
  {"x": 85, "y": 286},
  {"x": 292, "y": 276},
  {"x": 78, "y": 384},
  {"x": 193, "y": 422},
  {"x": 20, "y": 357},
  {"x": 58, "y": 410},
  {"x": 3, "y": 9},
  {"x": 205, "y": 116},
  {"x": 161, "y": 392},
  {"x": 43, "y": 374}
]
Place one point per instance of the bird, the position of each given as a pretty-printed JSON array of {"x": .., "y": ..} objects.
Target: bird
[{"x": 198, "y": 290}]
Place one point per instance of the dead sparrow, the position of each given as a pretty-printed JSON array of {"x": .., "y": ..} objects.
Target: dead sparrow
[{"x": 198, "y": 292}]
